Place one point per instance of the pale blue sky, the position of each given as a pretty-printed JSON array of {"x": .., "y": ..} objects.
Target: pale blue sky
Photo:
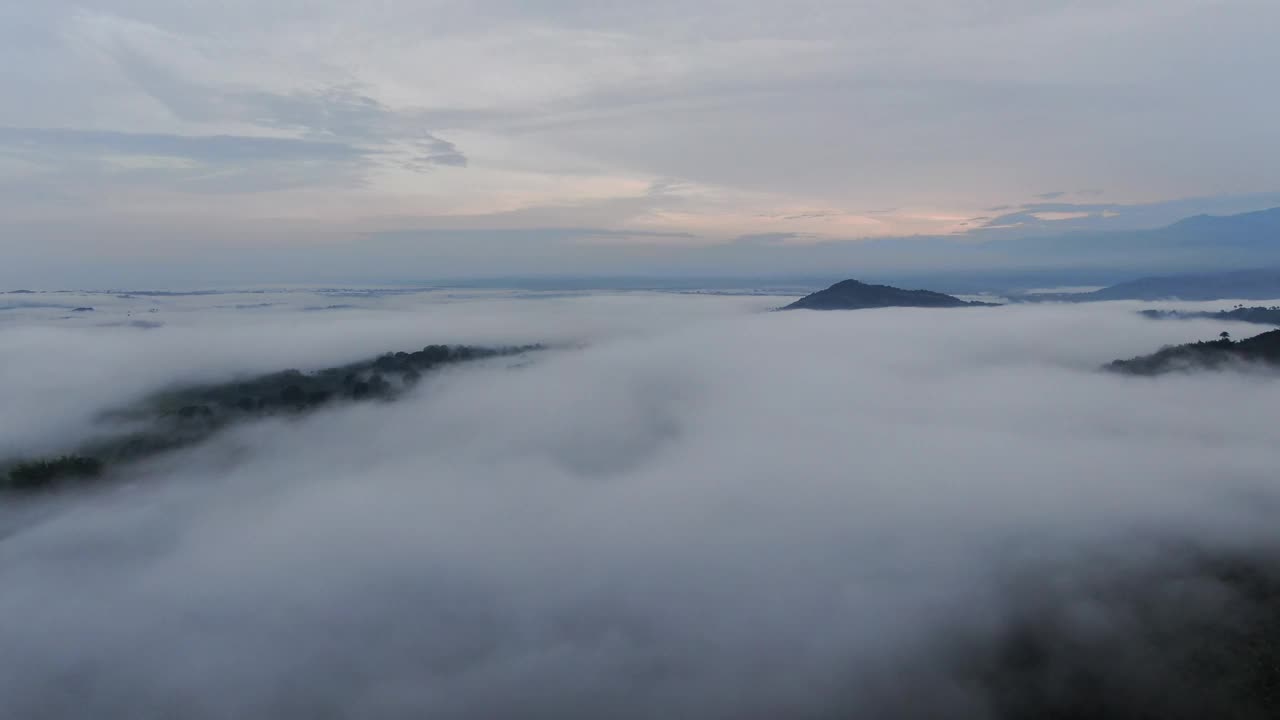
[{"x": 166, "y": 132}]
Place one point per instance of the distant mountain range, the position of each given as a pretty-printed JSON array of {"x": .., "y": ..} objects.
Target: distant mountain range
[
  {"x": 1195, "y": 245},
  {"x": 977, "y": 263},
  {"x": 969, "y": 263},
  {"x": 854, "y": 295},
  {"x": 1212, "y": 241},
  {"x": 1261, "y": 284},
  {"x": 1242, "y": 284}
]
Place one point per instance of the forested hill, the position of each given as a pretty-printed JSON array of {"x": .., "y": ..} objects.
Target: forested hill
[
  {"x": 854, "y": 295},
  {"x": 1260, "y": 350},
  {"x": 187, "y": 415},
  {"x": 1255, "y": 315}
]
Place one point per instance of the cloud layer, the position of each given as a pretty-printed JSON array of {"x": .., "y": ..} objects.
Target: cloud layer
[{"x": 707, "y": 511}]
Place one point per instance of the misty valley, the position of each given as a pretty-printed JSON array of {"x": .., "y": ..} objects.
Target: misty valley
[
  {"x": 629, "y": 504},
  {"x": 177, "y": 417}
]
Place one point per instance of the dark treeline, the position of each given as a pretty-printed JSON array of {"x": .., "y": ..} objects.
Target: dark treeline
[
  {"x": 290, "y": 390},
  {"x": 1260, "y": 350},
  {"x": 186, "y": 415},
  {"x": 38, "y": 474},
  {"x": 1257, "y": 315}
]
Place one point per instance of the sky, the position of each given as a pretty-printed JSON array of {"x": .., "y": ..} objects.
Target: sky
[{"x": 474, "y": 137}]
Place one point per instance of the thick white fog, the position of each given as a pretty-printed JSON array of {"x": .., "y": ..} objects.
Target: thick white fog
[
  {"x": 687, "y": 508},
  {"x": 60, "y": 368}
]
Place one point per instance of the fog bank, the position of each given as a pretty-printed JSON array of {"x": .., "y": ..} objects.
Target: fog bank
[{"x": 693, "y": 509}]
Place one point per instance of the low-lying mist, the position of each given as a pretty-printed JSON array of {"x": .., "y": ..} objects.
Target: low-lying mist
[
  {"x": 58, "y": 371},
  {"x": 688, "y": 509}
]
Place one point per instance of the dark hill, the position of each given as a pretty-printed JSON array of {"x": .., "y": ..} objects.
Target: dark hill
[
  {"x": 183, "y": 416},
  {"x": 1261, "y": 349},
  {"x": 854, "y": 295}
]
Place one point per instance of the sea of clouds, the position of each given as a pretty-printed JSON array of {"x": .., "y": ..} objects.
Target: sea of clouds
[{"x": 686, "y": 507}]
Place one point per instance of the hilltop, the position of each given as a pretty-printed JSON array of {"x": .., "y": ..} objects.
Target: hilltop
[
  {"x": 854, "y": 295},
  {"x": 1261, "y": 349}
]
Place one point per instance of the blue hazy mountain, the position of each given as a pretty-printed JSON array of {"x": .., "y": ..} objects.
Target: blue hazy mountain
[
  {"x": 1203, "y": 241},
  {"x": 977, "y": 262},
  {"x": 1261, "y": 284}
]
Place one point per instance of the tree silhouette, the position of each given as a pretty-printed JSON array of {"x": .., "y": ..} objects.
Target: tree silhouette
[{"x": 293, "y": 395}]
